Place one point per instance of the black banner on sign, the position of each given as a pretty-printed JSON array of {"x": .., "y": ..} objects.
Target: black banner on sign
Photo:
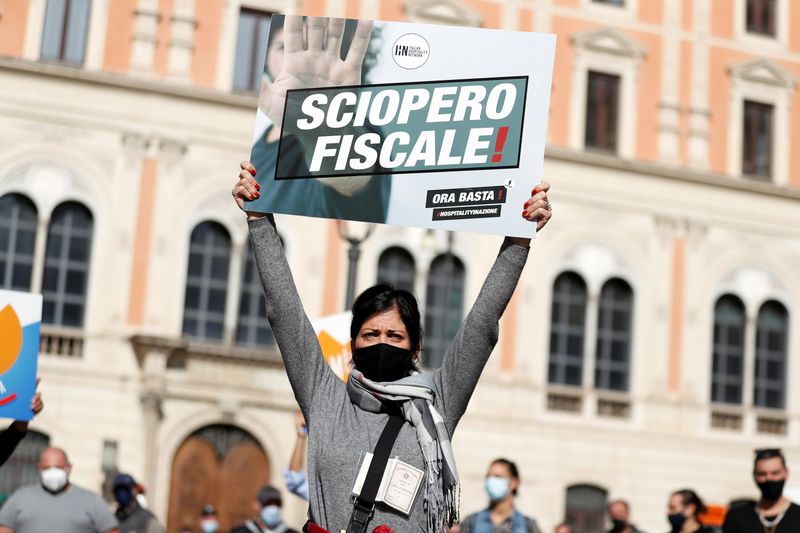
[
  {"x": 469, "y": 196},
  {"x": 455, "y": 213}
]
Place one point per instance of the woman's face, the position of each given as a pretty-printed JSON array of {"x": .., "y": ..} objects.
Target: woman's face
[
  {"x": 385, "y": 327},
  {"x": 275, "y": 55},
  {"x": 675, "y": 505}
]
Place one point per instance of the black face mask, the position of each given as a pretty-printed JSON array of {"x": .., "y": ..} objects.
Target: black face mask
[
  {"x": 676, "y": 521},
  {"x": 771, "y": 490},
  {"x": 619, "y": 525},
  {"x": 383, "y": 362}
]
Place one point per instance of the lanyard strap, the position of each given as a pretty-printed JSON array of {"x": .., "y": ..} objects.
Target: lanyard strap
[{"x": 364, "y": 504}]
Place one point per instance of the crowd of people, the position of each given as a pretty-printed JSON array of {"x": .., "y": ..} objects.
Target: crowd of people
[{"x": 55, "y": 504}]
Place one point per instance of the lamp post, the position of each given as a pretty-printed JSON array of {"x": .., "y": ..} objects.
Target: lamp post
[{"x": 353, "y": 253}]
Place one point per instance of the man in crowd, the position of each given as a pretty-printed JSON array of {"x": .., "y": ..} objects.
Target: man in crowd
[
  {"x": 619, "y": 512},
  {"x": 133, "y": 518},
  {"x": 208, "y": 519},
  {"x": 55, "y": 504},
  {"x": 501, "y": 485},
  {"x": 267, "y": 505},
  {"x": 563, "y": 527},
  {"x": 774, "y": 512},
  {"x": 296, "y": 479}
]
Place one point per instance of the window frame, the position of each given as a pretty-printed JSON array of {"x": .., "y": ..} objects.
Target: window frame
[
  {"x": 64, "y": 26},
  {"x": 750, "y": 108},
  {"x": 11, "y": 253},
  {"x": 254, "y": 75},
  {"x": 454, "y": 321},
  {"x": 608, "y": 51},
  {"x": 760, "y": 81},
  {"x": 397, "y": 273}
]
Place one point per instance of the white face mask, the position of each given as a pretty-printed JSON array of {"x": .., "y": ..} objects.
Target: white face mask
[{"x": 54, "y": 479}]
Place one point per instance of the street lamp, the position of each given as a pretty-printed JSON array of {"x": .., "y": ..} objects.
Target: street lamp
[{"x": 355, "y": 238}]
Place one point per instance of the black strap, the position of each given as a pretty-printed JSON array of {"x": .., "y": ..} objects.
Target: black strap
[{"x": 364, "y": 504}]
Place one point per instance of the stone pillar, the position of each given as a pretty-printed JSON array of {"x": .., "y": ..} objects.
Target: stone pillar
[
  {"x": 697, "y": 155},
  {"x": 152, "y": 354},
  {"x": 181, "y": 43},
  {"x": 145, "y": 37},
  {"x": 669, "y": 109}
]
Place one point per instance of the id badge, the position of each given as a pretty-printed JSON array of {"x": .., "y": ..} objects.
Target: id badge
[{"x": 399, "y": 486}]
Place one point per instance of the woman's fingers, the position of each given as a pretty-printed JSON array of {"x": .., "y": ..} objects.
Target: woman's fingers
[
  {"x": 315, "y": 29},
  {"x": 543, "y": 186},
  {"x": 335, "y": 32},
  {"x": 360, "y": 44},
  {"x": 293, "y": 34},
  {"x": 247, "y": 188}
]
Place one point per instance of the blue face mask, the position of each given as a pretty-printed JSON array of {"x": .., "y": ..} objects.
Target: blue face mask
[
  {"x": 209, "y": 526},
  {"x": 271, "y": 515},
  {"x": 496, "y": 488}
]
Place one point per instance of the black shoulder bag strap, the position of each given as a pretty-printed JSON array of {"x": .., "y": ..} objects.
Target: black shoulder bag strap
[{"x": 364, "y": 504}]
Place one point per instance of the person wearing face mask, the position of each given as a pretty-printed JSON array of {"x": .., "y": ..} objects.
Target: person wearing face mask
[
  {"x": 774, "y": 512},
  {"x": 501, "y": 485},
  {"x": 386, "y": 394},
  {"x": 55, "y": 504},
  {"x": 683, "y": 512},
  {"x": 208, "y": 519},
  {"x": 619, "y": 512},
  {"x": 133, "y": 518},
  {"x": 267, "y": 505}
]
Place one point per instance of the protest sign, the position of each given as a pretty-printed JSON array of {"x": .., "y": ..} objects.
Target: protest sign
[
  {"x": 20, "y": 318},
  {"x": 410, "y": 124},
  {"x": 333, "y": 334}
]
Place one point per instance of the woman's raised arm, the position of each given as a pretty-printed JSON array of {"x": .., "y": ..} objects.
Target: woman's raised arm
[
  {"x": 302, "y": 356},
  {"x": 478, "y": 334}
]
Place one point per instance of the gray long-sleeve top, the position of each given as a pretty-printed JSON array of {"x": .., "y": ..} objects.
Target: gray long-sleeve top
[{"x": 339, "y": 432}]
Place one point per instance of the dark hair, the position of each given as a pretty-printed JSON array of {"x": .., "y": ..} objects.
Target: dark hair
[
  {"x": 383, "y": 297},
  {"x": 690, "y": 497},
  {"x": 768, "y": 453},
  {"x": 512, "y": 467}
]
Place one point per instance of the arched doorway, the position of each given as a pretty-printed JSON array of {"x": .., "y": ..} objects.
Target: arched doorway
[{"x": 222, "y": 465}]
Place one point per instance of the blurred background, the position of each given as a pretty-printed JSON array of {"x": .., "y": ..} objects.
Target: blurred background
[{"x": 652, "y": 342}]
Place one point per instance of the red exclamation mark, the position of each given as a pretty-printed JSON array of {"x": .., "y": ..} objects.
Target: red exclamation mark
[{"x": 502, "y": 133}]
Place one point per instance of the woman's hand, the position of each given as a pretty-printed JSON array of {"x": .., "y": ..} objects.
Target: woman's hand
[
  {"x": 247, "y": 188},
  {"x": 312, "y": 58},
  {"x": 537, "y": 208}
]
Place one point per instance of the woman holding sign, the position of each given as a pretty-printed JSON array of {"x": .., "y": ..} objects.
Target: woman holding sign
[
  {"x": 389, "y": 419},
  {"x": 345, "y": 420}
]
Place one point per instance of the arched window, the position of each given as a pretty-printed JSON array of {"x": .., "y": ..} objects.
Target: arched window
[
  {"x": 586, "y": 507},
  {"x": 728, "y": 359},
  {"x": 772, "y": 329},
  {"x": 252, "y": 327},
  {"x": 567, "y": 330},
  {"x": 444, "y": 304},
  {"x": 614, "y": 317},
  {"x": 207, "y": 282},
  {"x": 396, "y": 267},
  {"x": 17, "y": 242},
  {"x": 66, "y": 265},
  {"x": 22, "y": 468}
]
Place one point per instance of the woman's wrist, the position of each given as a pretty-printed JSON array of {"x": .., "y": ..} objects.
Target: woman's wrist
[{"x": 520, "y": 241}]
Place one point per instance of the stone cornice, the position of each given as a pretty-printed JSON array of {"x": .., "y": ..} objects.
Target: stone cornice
[
  {"x": 128, "y": 82},
  {"x": 676, "y": 173}
]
